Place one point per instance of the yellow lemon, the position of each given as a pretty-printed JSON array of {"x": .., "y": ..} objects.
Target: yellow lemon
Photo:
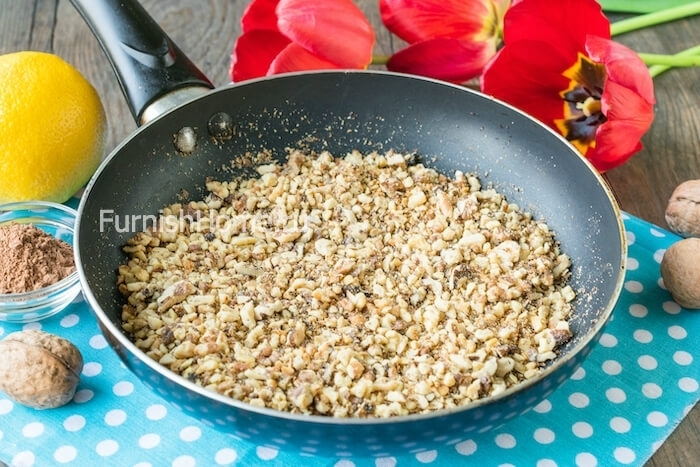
[{"x": 52, "y": 128}]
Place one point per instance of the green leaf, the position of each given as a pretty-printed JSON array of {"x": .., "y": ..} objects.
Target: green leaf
[{"x": 640, "y": 6}]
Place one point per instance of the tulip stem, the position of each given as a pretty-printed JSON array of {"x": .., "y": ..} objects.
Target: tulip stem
[
  {"x": 676, "y": 60},
  {"x": 662, "y": 63},
  {"x": 657, "y": 17}
]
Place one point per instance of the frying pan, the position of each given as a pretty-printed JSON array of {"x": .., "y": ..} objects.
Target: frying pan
[{"x": 448, "y": 127}]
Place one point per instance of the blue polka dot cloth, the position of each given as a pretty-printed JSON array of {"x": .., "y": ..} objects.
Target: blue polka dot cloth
[{"x": 631, "y": 392}]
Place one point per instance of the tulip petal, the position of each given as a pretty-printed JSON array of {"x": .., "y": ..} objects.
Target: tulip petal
[
  {"x": 259, "y": 14},
  {"x": 614, "y": 146},
  {"x": 296, "y": 58},
  {"x": 254, "y": 52},
  {"x": 447, "y": 59},
  {"x": 627, "y": 102},
  {"x": 420, "y": 20},
  {"x": 336, "y": 31},
  {"x": 565, "y": 26},
  {"x": 529, "y": 81},
  {"x": 629, "y": 118},
  {"x": 623, "y": 66}
]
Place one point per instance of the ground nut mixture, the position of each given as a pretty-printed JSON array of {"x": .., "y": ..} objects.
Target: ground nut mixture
[{"x": 356, "y": 287}]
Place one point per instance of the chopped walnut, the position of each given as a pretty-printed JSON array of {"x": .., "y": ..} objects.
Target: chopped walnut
[{"x": 363, "y": 286}]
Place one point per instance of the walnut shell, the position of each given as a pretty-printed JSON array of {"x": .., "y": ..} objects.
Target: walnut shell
[
  {"x": 683, "y": 209},
  {"x": 680, "y": 270},
  {"x": 39, "y": 369}
]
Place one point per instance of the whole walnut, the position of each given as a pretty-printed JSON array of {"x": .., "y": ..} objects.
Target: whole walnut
[
  {"x": 680, "y": 270},
  {"x": 39, "y": 369},
  {"x": 683, "y": 209}
]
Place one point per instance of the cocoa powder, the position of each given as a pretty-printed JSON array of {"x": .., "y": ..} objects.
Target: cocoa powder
[{"x": 31, "y": 259}]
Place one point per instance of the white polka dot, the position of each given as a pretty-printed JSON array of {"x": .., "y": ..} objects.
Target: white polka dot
[
  {"x": 677, "y": 332},
  {"x": 83, "y": 395},
  {"x": 579, "y": 374},
  {"x": 671, "y": 308},
  {"x": 634, "y": 286},
  {"x": 638, "y": 311},
  {"x": 544, "y": 436},
  {"x": 620, "y": 425},
  {"x": 688, "y": 384},
  {"x": 466, "y": 448},
  {"x": 65, "y": 454},
  {"x": 123, "y": 388},
  {"x": 156, "y": 412},
  {"x": 652, "y": 390},
  {"x": 92, "y": 369},
  {"x": 184, "y": 461},
  {"x": 115, "y": 417},
  {"x": 69, "y": 321},
  {"x": 657, "y": 233},
  {"x": 33, "y": 430},
  {"x": 632, "y": 264},
  {"x": 612, "y": 367},
  {"x": 225, "y": 456},
  {"x": 545, "y": 463},
  {"x": 107, "y": 447},
  {"x": 6, "y": 406},
  {"x": 586, "y": 459},
  {"x": 631, "y": 238},
  {"x": 385, "y": 462},
  {"x": 642, "y": 336},
  {"x": 579, "y": 400},
  {"x": 266, "y": 454},
  {"x": 426, "y": 457},
  {"x": 23, "y": 458},
  {"x": 98, "y": 342},
  {"x": 582, "y": 430},
  {"x": 190, "y": 433},
  {"x": 647, "y": 362},
  {"x": 624, "y": 455},
  {"x": 616, "y": 395},
  {"x": 657, "y": 419},
  {"x": 505, "y": 441},
  {"x": 682, "y": 358},
  {"x": 608, "y": 340},
  {"x": 74, "y": 423},
  {"x": 149, "y": 440},
  {"x": 543, "y": 407}
]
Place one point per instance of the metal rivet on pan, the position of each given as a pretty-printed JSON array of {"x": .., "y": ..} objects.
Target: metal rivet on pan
[
  {"x": 185, "y": 140},
  {"x": 220, "y": 126}
]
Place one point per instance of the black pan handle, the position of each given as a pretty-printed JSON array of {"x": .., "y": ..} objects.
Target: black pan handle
[{"x": 154, "y": 74}]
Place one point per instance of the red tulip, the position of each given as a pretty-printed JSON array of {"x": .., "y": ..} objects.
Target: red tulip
[
  {"x": 281, "y": 36},
  {"x": 559, "y": 65},
  {"x": 448, "y": 39}
]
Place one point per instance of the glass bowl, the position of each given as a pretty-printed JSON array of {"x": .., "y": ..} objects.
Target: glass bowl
[{"x": 59, "y": 221}]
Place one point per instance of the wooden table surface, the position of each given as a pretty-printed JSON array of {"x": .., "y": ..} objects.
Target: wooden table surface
[{"x": 206, "y": 31}]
